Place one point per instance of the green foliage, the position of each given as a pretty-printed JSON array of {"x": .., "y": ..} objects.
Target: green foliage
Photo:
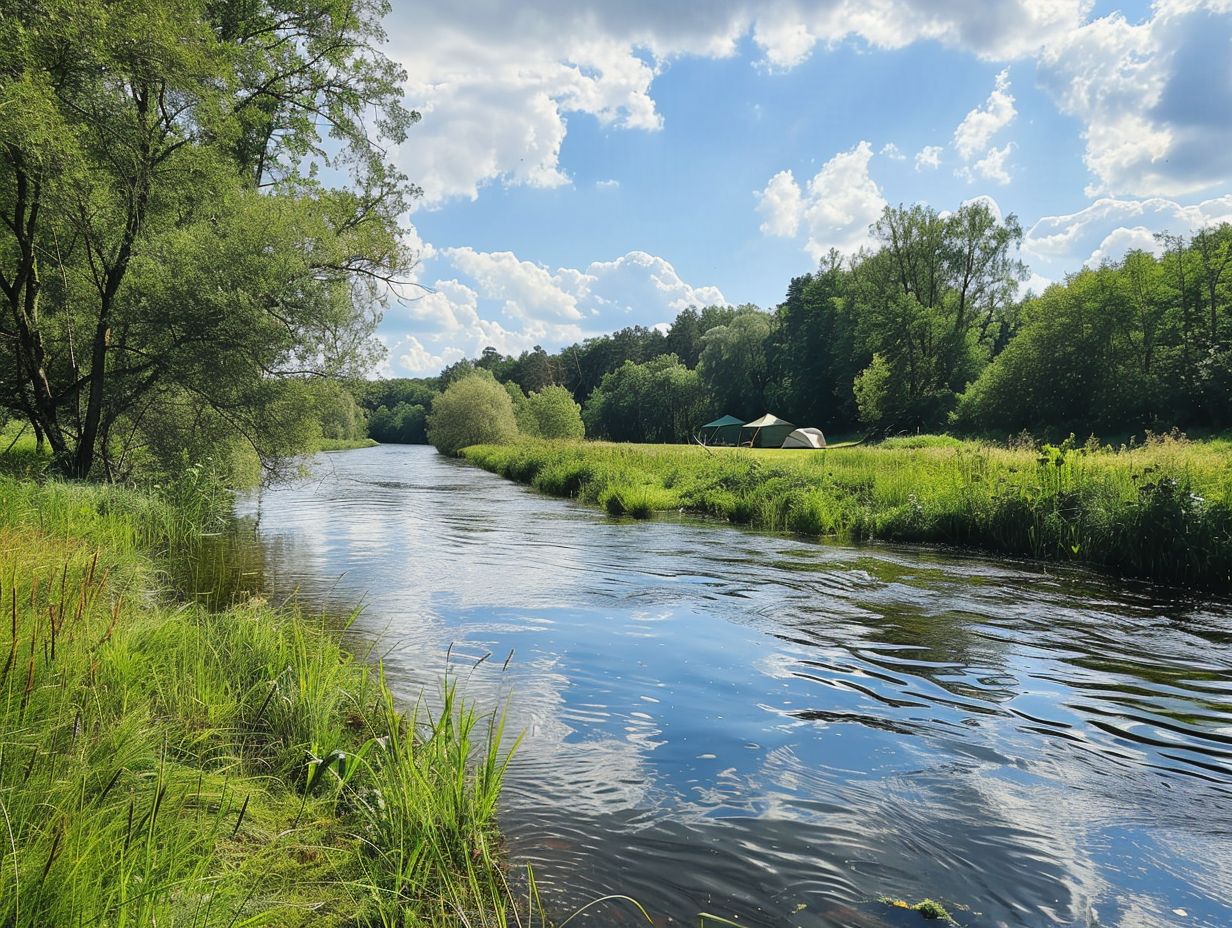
[
  {"x": 173, "y": 253},
  {"x": 879, "y": 393},
  {"x": 404, "y": 424},
  {"x": 337, "y": 412},
  {"x": 473, "y": 410},
  {"x": 550, "y": 413},
  {"x": 660, "y": 400},
  {"x": 1145, "y": 343},
  {"x": 1162, "y": 511},
  {"x": 733, "y": 364},
  {"x": 165, "y": 764}
]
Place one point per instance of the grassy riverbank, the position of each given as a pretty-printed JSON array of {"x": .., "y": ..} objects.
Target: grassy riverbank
[
  {"x": 1161, "y": 511},
  {"x": 345, "y": 444},
  {"x": 161, "y": 764}
]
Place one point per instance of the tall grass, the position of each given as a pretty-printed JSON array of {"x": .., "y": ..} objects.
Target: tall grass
[
  {"x": 165, "y": 764},
  {"x": 1162, "y": 510}
]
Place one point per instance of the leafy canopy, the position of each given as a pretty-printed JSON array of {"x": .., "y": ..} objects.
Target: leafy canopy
[{"x": 170, "y": 247}]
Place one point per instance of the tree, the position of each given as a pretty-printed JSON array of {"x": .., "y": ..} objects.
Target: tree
[
  {"x": 658, "y": 401},
  {"x": 932, "y": 301},
  {"x": 1077, "y": 365},
  {"x": 166, "y": 239},
  {"x": 404, "y": 424},
  {"x": 473, "y": 410},
  {"x": 734, "y": 364},
  {"x": 550, "y": 413},
  {"x": 338, "y": 415},
  {"x": 812, "y": 351}
]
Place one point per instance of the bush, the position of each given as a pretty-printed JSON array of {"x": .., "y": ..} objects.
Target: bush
[
  {"x": 474, "y": 410},
  {"x": 550, "y": 413}
]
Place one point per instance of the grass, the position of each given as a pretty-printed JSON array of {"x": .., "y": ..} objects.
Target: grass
[
  {"x": 1161, "y": 510},
  {"x": 167, "y": 764},
  {"x": 344, "y": 444}
]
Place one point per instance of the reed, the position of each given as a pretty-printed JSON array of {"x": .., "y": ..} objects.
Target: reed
[{"x": 1160, "y": 510}]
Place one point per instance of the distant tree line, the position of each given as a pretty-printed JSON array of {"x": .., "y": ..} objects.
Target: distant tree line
[{"x": 925, "y": 330}]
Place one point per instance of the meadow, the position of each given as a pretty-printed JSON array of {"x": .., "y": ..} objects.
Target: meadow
[
  {"x": 1160, "y": 510},
  {"x": 162, "y": 763}
]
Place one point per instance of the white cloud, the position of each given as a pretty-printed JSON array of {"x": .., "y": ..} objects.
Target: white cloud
[
  {"x": 529, "y": 290},
  {"x": 1153, "y": 97},
  {"x": 512, "y": 305},
  {"x": 1121, "y": 241},
  {"x": 643, "y": 289},
  {"x": 1109, "y": 227},
  {"x": 991, "y": 167},
  {"x": 609, "y": 184},
  {"x": 892, "y": 151},
  {"x": 981, "y": 124},
  {"x": 415, "y": 359},
  {"x": 992, "y": 205},
  {"x": 928, "y": 157},
  {"x": 1035, "y": 283},
  {"x": 841, "y": 202},
  {"x": 781, "y": 204},
  {"x": 496, "y": 84}
]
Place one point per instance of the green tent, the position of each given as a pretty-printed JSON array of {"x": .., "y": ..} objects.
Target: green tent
[
  {"x": 767, "y": 432},
  {"x": 722, "y": 431}
]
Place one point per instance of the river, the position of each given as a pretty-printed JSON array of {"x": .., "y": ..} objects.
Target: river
[{"x": 779, "y": 731}]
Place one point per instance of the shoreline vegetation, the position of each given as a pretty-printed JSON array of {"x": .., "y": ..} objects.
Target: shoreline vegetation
[
  {"x": 165, "y": 763},
  {"x": 1160, "y": 511}
]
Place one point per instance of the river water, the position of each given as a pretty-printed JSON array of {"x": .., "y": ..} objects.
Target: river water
[{"x": 779, "y": 731}]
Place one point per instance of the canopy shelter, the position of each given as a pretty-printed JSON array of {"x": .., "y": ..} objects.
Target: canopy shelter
[
  {"x": 805, "y": 438},
  {"x": 767, "y": 432},
  {"x": 722, "y": 431}
]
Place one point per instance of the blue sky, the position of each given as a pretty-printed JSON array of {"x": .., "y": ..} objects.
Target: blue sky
[{"x": 589, "y": 165}]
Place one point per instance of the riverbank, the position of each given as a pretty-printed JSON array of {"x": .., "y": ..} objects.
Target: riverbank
[
  {"x": 161, "y": 763},
  {"x": 1161, "y": 511}
]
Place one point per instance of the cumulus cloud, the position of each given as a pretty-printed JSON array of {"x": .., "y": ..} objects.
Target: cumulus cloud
[
  {"x": 840, "y": 203},
  {"x": 609, "y": 184},
  {"x": 982, "y": 123},
  {"x": 975, "y": 133},
  {"x": 892, "y": 151},
  {"x": 416, "y": 360},
  {"x": 928, "y": 157},
  {"x": 1109, "y": 227},
  {"x": 501, "y": 300},
  {"x": 781, "y": 205},
  {"x": 528, "y": 290},
  {"x": 1153, "y": 97},
  {"x": 496, "y": 85},
  {"x": 642, "y": 289},
  {"x": 991, "y": 167}
]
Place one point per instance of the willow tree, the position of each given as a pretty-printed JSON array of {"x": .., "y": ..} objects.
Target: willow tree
[{"x": 196, "y": 207}]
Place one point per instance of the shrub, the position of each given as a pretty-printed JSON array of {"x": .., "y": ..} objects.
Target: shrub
[
  {"x": 550, "y": 413},
  {"x": 473, "y": 410}
]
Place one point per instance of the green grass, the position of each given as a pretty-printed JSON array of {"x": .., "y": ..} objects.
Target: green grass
[
  {"x": 167, "y": 764},
  {"x": 344, "y": 444},
  {"x": 1162, "y": 510}
]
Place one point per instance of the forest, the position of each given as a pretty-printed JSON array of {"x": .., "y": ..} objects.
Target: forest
[{"x": 925, "y": 332}]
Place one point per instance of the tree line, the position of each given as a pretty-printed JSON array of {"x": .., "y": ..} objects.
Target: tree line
[
  {"x": 199, "y": 225},
  {"x": 924, "y": 331}
]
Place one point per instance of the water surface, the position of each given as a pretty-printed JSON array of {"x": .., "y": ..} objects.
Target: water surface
[{"x": 780, "y": 731}]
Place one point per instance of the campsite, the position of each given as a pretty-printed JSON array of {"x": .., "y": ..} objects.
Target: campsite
[{"x": 566, "y": 465}]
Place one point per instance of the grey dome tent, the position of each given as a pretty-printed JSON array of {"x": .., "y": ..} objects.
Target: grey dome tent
[
  {"x": 767, "y": 432},
  {"x": 805, "y": 438},
  {"x": 722, "y": 431}
]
